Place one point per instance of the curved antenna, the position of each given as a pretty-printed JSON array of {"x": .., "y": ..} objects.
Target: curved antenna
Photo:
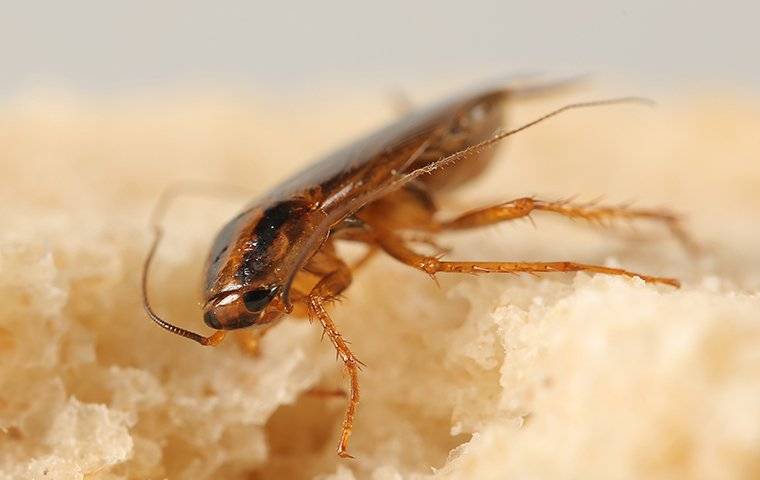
[
  {"x": 473, "y": 149},
  {"x": 477, "y": 148},
  {"x": 155, "y": 220}
]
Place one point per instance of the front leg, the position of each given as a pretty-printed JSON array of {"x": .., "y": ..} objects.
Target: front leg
[
  {"x": 326, "y": 290},
  {"x": 352, "y": 364}
]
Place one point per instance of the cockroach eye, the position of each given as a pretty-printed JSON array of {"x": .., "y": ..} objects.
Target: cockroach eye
[{"x": 256, "y": 300}]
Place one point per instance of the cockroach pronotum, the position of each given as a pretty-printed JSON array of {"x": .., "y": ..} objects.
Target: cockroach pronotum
[{"x": 278, "y": 255}]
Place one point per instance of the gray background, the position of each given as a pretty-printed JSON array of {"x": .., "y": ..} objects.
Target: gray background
[{"x": 107, "y": 47}]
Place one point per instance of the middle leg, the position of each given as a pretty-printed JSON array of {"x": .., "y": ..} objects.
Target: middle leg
[{"x": 524, "y": 207}]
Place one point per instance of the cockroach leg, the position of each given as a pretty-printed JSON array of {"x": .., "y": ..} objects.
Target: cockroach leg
[
  {"x": 524, "y": 207},
  {"x": 317, "y": 312},
  {"x": 326, "y": 290},
  {"x": 395, "y": 247}
]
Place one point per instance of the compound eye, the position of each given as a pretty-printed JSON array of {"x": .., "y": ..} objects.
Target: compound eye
[{"x": 256, "y": 300}]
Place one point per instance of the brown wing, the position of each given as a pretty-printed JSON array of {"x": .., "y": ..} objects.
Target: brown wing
[
  {"x": 413, "y": 141},
  {"x": 376, "y": 159}
]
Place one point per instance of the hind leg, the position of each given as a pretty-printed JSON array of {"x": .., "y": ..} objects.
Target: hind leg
[{"x": 397, "y": 248}]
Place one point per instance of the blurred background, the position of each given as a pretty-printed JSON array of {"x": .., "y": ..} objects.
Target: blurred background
[{"x": 100, "y": 47}]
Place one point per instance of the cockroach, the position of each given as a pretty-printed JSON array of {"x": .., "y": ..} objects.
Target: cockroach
[{"x": 278, "y": 256}]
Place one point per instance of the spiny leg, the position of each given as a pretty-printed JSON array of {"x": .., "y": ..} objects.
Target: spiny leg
[
  {"x": 326, "y": 290},
  {"x": 524, "y": 207},
  {"x": 317, "y": 311},
  {"x": 395, "y": 247}
]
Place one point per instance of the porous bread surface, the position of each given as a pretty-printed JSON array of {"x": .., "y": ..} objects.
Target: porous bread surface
[{"x": 559, "y": 376}]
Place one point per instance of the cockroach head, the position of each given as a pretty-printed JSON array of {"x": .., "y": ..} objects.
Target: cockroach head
[
  {"x": 247, "y": 277},
  {"x": 244, "y": 308}
]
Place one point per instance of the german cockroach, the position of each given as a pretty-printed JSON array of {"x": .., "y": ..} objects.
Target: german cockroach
[{"x": 277, "y": 256}]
